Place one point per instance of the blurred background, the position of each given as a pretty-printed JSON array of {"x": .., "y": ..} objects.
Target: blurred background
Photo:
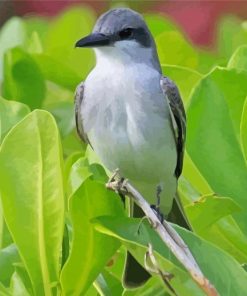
[{"x": 198, "y": 18}]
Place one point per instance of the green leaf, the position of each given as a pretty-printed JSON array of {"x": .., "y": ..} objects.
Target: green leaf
[
  {"x": 154, "y": 286},
  {"x": 5, "y": 291},
  {"x": 222, "y": 270},
  {"x": 213, "y": 120},
  {"x": 23, "y": 80},
  {"x": 224, "y": 232},
  {"x": 62, "y": 35},
  {"x": 180, "y": 52},
  {"x": 17, "y": 287},
  {"x": 158, "y": 24},
  {"x": 231, "y": 35},
  {"x": 8, "y": 257},
  {"x": 57, "y": 71},
  {"x": 32, "y": 196},
  {"x": 10, "y": 113},
  {"x": 108, "y": 285},
  {"x": 90, "y": 250},
  {"x": 12, "y": 34},
  {"x": 239, "y": 58},
  {"x": 64, "y": 113},
  {"x": 185, "y": 79},
  {"x": 135, "y": 235},
  {"x": 208, "y": 209},
  {"x": 227, "y": 235},
  {"x": 243, "y": 129}
]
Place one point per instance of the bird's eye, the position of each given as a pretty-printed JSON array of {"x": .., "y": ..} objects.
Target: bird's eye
[{"x": 126, "y": 33}]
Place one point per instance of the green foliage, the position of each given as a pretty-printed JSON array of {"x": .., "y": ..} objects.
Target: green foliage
[{"x": 61, "y": 231}]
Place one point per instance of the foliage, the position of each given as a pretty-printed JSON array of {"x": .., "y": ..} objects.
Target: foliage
[{"x": 61, "y": 232}]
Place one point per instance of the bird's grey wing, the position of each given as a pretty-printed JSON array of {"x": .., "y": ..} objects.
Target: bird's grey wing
[
  {"x": 79, "y": 93},
  {"x": 178, "y": 119}
]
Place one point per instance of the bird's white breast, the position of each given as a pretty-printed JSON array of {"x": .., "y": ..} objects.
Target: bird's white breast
[{"x": 127, "y": 120}]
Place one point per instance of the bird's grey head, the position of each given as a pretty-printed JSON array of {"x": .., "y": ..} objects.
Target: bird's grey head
[{"x": 122, "y": 33}]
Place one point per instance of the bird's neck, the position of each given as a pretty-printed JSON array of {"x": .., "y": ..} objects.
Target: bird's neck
[{"x": 109, "y": 56}]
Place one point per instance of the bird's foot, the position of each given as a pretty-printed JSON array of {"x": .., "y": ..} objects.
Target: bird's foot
[
  {"x": 117, "y": 183},
  {"x": 157, "y": 212},
  {"x": 156, "y": 208}
]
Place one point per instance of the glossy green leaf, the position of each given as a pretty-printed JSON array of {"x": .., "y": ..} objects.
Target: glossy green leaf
[
  {"x": 12, "y": 34},
  {"x": 243, "y": 129},
  {"x": 136, "y": 236},
  {"x": 222, "y": 270},
  {"x": 227, "y": 235},
  {"x": 10, "y": 113},
  {"x": 154, "y": 286},
  {"x": 8, "y": 257},
  {"x": 193, "y": 176},
  {"x": 90, "y": 250},
  {"x": 17, "y": 287},
  {"x": 185, "y": 79},
  {"x": 64, "y": 113},
  {"x": 5, "y": 291},
  {"x": 175, "y": 50},
  {"x": 213, "y": 120},
  {"x": 62, "y": 35},
  {"x": 208, "y": 209},
  {"x": 23, "y": 80},
  {"x": 223, "y": 232},
  {"x": 230, "y": 35},
  {"x": 108, "y": 285},
  {"x": 32, "y": 196},
  {"x": 57, "y": 71},
  {"x": 239, "y": 58},
  {"x": 159, "y": 24}
]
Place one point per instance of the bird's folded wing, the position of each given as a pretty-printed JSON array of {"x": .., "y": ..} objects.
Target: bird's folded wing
[
  {"x": 178, "y": 119},
  {"x": 78, "y": 119}
]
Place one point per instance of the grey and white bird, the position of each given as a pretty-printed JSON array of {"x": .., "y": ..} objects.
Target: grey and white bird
[{"x": 131, "y": 115}]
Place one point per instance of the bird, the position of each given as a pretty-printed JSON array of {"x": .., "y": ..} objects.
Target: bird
[{"x": 133, "y": 116}]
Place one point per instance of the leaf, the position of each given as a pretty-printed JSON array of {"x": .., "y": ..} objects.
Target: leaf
[
  {"x": 175, "y": 50},
  {"x": 224, "y": 232},
  {"x": 17, "y": 287},
  {"x": 23, "y": 80},
  {"x": 154, "y": 286},
  {"x": 90, "y": 250},
  {"x": 8, "y": 257},
  {"x": 158, "y": 24},
  {"x": 213, "y": 120},
  {"x": 32, "y": 196},
  {"x": 194, "y": 176},
  {"x": 15, "y": 28},
  {"x": 208, "y": 209},
  {"x": 65, "y": 116},
  {"x": 10, "y": 113},
  {"x": 136, "y": 236},
  {"x": 5, "y": 291},
  {"x": 57, "y": 72},
  {"x": 239, "y": 58},
  {"x": 227, "y": 235},
  {"x": 243, "y": 130},
  {"x": 185, "y": 79},
  {"x": 228, "y": 278},
  {"x": 62, "y": 35},
  {"x": 230, "y": 35},
  {"x": 108, "y": 285}
]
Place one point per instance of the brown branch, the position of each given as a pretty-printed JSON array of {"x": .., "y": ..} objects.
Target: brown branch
[{"x": 168, "y": 234}]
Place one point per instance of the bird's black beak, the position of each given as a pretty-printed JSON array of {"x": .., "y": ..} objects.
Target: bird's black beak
[{"x": 93, "y": 40}]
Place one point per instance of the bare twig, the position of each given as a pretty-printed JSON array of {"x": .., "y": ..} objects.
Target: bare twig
[{"x": 168, "y": 234}]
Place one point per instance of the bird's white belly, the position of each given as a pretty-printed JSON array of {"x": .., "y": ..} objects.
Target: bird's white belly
[{"x": 129, "y": 128}]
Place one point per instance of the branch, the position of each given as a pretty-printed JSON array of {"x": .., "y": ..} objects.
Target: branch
[{"x": 168, "y": 234}]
